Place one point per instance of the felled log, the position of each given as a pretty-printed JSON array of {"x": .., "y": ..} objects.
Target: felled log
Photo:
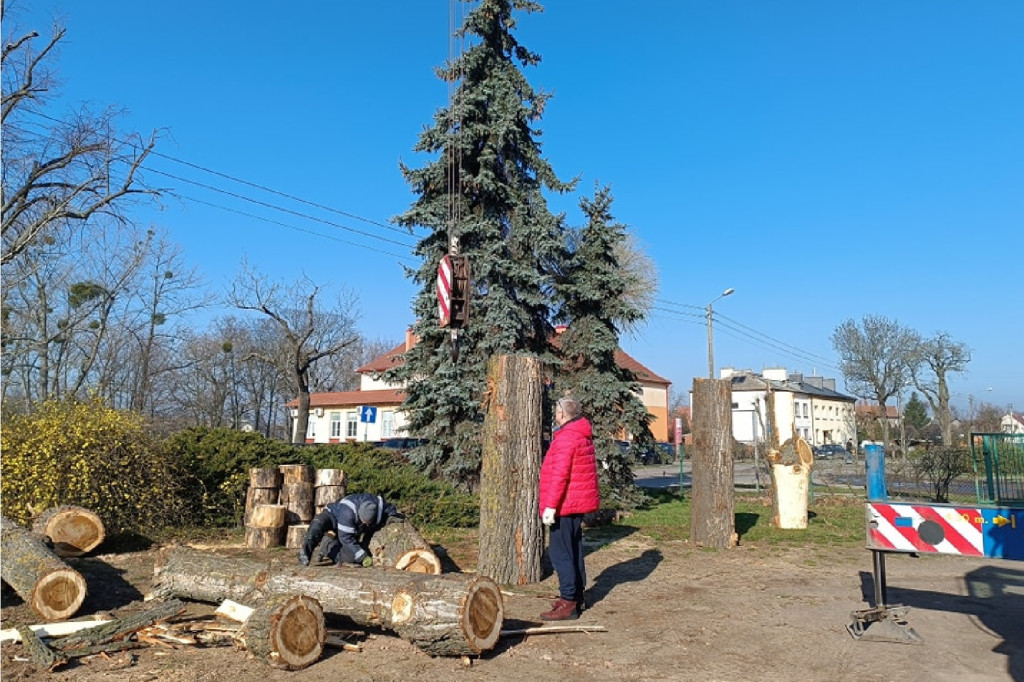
[
  {"x": 90, "y": 641},
  {"x": 53, "y": 589},
  {"x": 399, "y": 545},
  {"x": 287, "y": 631},
  {"x": 265, "y": 477},
  {"x": 298, "y": 501},
  {"x": 266, "y": 526},
  {"x": 329, "y": 477},
  {"x": 444, "y": 615},
  {"x": 73, "y": 530},
  {"x": 37, "y": 650},
  {"x": 258, "y": 496},
  {"x": 328, "y": 494},
  {"x": 64, "y": 628},
  {"x": 296, "y": 473}
]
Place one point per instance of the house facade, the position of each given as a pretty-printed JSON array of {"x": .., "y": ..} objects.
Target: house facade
[
  {"x": 1012, "y": 422},
  {"x": 339, "y": 417},
  {"x": 808, "y": 407}
]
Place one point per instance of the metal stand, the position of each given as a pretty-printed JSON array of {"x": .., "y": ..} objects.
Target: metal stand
[{"x": 882, "y": 623}]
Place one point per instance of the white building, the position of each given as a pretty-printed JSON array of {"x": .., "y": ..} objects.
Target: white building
[
  {"x": 808, "y": 407},
  {"x": 1012, "y": 422}
]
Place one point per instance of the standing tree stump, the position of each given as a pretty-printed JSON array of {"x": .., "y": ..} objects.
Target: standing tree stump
[
  {"x": 712, "y": 522},
  {"x": 285, "y": 630},
  {"x": 50, "y": 586},
  {"x": 399, "y": 545},
  {"x": 73, "y": 530},
  {"x": 511, "y": 534}
]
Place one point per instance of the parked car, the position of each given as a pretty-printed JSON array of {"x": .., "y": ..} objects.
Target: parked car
[
  {"x": 829, "y": 450},
  {"x": 400, "y": 443}
]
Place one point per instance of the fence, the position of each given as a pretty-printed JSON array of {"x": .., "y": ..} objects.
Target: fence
[{"x": 998, "y": 467}]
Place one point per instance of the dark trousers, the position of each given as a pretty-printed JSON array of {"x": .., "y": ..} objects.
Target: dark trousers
[{"x": 565, "y": 549}]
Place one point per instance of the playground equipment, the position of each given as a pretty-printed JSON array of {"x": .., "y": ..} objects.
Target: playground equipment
[{"x": 993, "y": 529}]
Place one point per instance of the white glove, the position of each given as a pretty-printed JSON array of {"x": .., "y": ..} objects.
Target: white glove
[{"x": 548, "y": 517}]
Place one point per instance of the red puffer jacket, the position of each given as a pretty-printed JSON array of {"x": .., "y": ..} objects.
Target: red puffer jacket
[{"x": 568, "y": 476}]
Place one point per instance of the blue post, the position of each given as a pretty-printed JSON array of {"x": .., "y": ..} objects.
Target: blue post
[{"x": 874, "y": 460}]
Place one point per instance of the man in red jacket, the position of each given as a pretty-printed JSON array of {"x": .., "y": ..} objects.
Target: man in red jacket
[{"x": 568, "y": 490}]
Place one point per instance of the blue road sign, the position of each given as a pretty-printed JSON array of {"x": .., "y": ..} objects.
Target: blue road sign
[{"x": 367, "y": 414}]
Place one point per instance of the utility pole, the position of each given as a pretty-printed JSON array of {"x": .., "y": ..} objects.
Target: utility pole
[{"x": 711, "y": 345}]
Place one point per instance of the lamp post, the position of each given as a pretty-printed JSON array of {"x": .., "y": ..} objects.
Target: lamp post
[{"x": 711, "y": 347}]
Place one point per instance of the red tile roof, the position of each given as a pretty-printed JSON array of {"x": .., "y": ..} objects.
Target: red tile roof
[
  {"x": 393, "y": 358},
  {"x": 387, "y": 396}
]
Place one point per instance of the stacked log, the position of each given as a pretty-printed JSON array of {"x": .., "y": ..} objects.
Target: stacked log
[
  {"x": 296, "y": 535},
  {"x": 444, "y": 615},
  {"x": 399, "y": 545},
  {"x": 50, "y": 586},
  {"x": 266, "y": 527},
  {"x": 330, "y": 486},
  {"x": 285, "y": 630},
  {"x": 73, "y": 531},
  {"x": 297, "y": 492},
  {"x": 264, "y": 488}
]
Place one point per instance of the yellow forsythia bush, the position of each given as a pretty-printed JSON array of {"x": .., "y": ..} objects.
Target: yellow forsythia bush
[{"x": 83, "y": 453}]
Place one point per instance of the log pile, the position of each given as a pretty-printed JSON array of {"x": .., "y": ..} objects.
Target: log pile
[
  {"x": 297, "y": 492},
  {"x": 329, "y": 486},
  {"x": 266, "y": 527},
  {"x": 264, "y": 488},
  {"x": 72, "y": 530},
  {"x": 444, "y": 615},
  {"x": 37, "y": 575}
]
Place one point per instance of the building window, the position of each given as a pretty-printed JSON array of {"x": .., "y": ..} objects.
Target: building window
[
  {"x": 352, "y": 427},
  {"x": 335, "y": 424},
  {"x": 387, "y": 424},
  {"x": 806, "y": 411},
  {"x": 311, "y": 430}
]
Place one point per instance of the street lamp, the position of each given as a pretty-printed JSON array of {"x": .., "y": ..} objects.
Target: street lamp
[{"x": 711, "y": 348}]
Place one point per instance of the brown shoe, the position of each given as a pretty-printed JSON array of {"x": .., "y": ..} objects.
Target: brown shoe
[{"x": 563, "y": 609}]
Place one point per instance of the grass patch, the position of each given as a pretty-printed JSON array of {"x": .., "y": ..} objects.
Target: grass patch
[{"x": 833, "y": 521}]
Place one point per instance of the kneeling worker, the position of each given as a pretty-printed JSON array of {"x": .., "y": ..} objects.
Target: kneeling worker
[{"x": 354, "y": 519}]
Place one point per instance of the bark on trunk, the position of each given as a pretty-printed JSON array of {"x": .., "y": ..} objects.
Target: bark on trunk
[
  {"x": 298, "y": 501},
  {"x": 511, "y": 535},
  {"x": 712, "y": 522},
  {"x": 117, "y": 630},
  {"x": 444, "y": 615},
  {"x": 399, "y": 545},
  {"x": 53, "y": 589},
  {"x": 285, "y": 630},
  {"x": 264, "y": 538},
  {"x": 73, "y": 530}
]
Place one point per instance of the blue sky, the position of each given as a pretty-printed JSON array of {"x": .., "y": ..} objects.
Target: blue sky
[{"x": 826, "y": 160}]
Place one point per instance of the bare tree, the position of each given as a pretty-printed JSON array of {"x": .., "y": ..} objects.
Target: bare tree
[
  {"x": 57, "y": 172},
  {"x": 937, "y": 358},
  {"x": 310, "y": 333},
  {"x": 876, "y": 358}
]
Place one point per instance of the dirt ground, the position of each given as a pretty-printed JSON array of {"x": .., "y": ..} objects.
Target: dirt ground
[{"x": 672, "y": 612}]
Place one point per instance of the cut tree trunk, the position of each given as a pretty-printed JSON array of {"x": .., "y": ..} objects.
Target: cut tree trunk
[
  {"x": 328, "y": 494},
  {"x": 511, "y": 534},
  {"x": 51, "y": 587},
  {"x": 444, "y": 615},
  {"x": 285, "y": 630},
  {"x": 296, "y": 473},
  {"x": 73, "y": 530},
  {"x": 254, "y": 497},
  {"x": 268, "y": 516},
  {"x": 264, "y": 538},
  {"x": 118, "y": 630},
  {"x": 329, "y": 477},
  {"x": 268, "y": 477},
  {"x": 296, "y": 536},
  {"x": 712, "y": 523},
  {"x": 399, "y": 545},
  {"x": 298, "y": 501}
]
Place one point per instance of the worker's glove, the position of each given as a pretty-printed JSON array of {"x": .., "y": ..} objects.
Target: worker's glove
[
  {"x": 548, "y": 517},
  {"x": 303, "y": 558},
  {"x": 367, "y": 561}
]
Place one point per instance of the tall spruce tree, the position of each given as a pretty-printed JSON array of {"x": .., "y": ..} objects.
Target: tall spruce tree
[
  {"x": 593, "y": 303},
  {"x": 487, "y": 141}
]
